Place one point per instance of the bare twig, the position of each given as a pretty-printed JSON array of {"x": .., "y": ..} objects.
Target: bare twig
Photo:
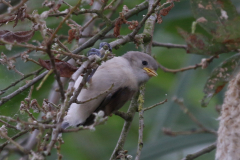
[
  {"x": 2, "y": 134},
  {"x": 14, "y": 137},
  {"x": 141, "y": 121},
  {"x": 8, "y": 125},
  {"x": 155, "y": 105},
  {"x": 44, "y": 79},
  {"x": 193, "y": 118},
  {"x": 201, "y": 152},
  {"x": 126, "y": 127},
  {"x": 123, "y": 115},
  {"x": 209, "y": 60},
  {"x": 21, "y": 79},
  {"x": 104, "y": 31},
  {"x": 53, "y": 67},
  {"x": 21, "y": 89},
  {"x": 169, "y": 132},
  {"x": 168, "y": 45}
]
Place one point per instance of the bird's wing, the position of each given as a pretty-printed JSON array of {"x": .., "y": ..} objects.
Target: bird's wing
[{"x": 112, "y": 102}]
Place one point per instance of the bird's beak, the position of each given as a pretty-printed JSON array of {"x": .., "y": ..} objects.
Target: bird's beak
[{"x": 150, "y": 72}]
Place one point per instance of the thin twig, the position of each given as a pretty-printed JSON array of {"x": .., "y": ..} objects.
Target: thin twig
[
  {"x": 54, "y": 69},
  {"x": 21, "y": 79},
  {"x": 209, "y": 60},
  {"x": 2, "y": 134},
  {"x": 21, "y": 89},
  {"x": 14, "y": 137},
  {"x": 141, "y": 121},
  {"x": 123, "y": 115},
  {"x": 155, "y": 105},
  {"x": 193, "y": 118},
  {"x": 169, "y": 132},
  {"x": 168, "y": 45},
  {"x": 126, "y": 127},
  {"x": 201, "y": 152},
  {"x": 44, "y": 79},
  {"x": 8, "y": 125}
]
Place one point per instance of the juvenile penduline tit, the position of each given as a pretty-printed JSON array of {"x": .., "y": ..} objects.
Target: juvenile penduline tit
[{"x": 127, "y": 73}]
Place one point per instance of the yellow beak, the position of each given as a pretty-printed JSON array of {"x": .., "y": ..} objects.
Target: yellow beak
[{"x": 150, "y": 72}]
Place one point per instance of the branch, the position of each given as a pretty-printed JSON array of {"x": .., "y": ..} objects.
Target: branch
[
  {"x": 2, "y": 134},
  {"x": 104, "y": 31},
  {"x": 155, "y": 105},
  {"x": 123, "y": 115},
  {"x": 21, "y": 89},
  {"x": 126, "y": 127},
  {"x": 21, "y": 79},
  {"x": 168, "y": 45},
  {"x": 203, "y": 64},
  {"x": 141, "y": 121},
  {"x": 201, "y": 152},
  {"x": 14, "y": 137},
  {"x": 53, "y": 67}
]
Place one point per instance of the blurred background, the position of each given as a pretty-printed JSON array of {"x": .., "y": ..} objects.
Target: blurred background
[{"x": 188, "y": 85}]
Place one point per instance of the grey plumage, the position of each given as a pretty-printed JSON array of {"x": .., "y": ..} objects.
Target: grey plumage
[{"x": 127, "y": 73}]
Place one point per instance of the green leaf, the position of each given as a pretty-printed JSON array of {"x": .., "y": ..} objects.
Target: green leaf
[
  {"x": 219, "y": 77},
  {"x": 215, "y": 12},
  {"x": 229, "y": 34},
  {"x": 200, "y": 44},
  {"x": 221, "y": 20}
]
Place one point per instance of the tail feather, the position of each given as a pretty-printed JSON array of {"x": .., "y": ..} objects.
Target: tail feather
[{"x": 65, "y": 125}]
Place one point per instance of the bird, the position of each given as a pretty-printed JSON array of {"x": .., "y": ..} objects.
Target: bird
[{"x": 125, "y": 73}]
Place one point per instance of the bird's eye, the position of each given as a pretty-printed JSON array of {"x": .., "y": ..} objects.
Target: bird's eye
[{"x": 144, "y": 63}]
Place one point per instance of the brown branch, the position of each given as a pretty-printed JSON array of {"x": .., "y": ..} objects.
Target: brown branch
[
  {"x": 8, "y": 125},
  {"x": 155, "y": 105},
  {"x": 21, "y": 89},
  {"x": 141, "y": 121},
  {"x": 49, "y": 44},
  {"x": 209, "y": 60},
  {"x": 63, "y": 21},
  {"x": 14, "y": 137},
  {"x": 21, "y": 79},
  {"x": 142, "y": 22},
  {"x": 123, "y": 115},
  {"x": 201, "y": 152},
  {"x": 126, "y": 127},
  {"x": 168, "y": 45},
  {"x": 2, "y": 134},
  {"x": 53, "y": 67}
]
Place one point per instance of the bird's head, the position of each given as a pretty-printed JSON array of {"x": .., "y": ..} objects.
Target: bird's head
[{"x": 144, "y": 66}]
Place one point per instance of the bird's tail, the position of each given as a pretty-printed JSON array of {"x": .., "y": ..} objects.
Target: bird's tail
[{"x": 65, "y": 125}]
